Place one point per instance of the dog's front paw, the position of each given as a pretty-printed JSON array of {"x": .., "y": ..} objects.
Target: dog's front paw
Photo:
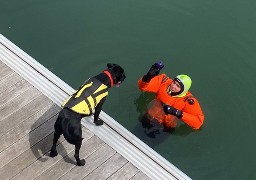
[
  {"x": 53, "y": 153},
  {"x": 81, "y": 162},
  {"x": 98, "y": 122}
]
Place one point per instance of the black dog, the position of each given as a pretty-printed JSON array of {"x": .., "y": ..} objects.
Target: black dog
[{"x": 87, "y": 100}]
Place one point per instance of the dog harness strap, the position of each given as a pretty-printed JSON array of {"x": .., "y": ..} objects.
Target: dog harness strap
[
  {"x": 100, "y": 94},
  {"x": 89, "y": 105},
  {"x": 110, "y": 77},
  {"x": 81, "y": 90}
]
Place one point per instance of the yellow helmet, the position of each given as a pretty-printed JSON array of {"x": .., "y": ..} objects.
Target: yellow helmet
[{"x": 185, "y": 82}]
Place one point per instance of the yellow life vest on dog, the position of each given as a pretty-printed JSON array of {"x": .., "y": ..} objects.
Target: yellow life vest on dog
[{"x": 86, "y": 98}]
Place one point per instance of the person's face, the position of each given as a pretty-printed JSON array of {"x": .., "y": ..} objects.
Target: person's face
[{"x": 175, "y": 87}]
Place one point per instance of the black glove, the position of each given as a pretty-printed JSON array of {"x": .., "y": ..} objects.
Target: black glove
[
  {"x": 173, "y": 111},
  {"x": 153, "y": 71}
]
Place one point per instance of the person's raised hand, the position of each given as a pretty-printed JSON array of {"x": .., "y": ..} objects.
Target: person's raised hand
[{"x": 153, "y": 71}]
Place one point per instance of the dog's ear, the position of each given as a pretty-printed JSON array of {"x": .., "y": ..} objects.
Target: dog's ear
[{"x": 110, "y": 65}]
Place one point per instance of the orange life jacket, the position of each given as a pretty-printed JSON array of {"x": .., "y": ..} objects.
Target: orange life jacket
[{"x": 192, "y": 113}]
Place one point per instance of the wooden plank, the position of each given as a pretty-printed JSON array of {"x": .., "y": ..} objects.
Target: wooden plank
[
  {"x": 26, "y": 158},
  {"x": 18, "y": 102},
  {"x": 27, "y": 141},
  {"x": 9, "y": 81},
  {"x": 92, "y": 162},
  {"x": 22, "y": 114},
  {"x": 141, "y": 176},
  {"x": 108, "y": 168},
  {"x": 20, "y": 130},
  {"x": 126, "y": 172},
  {"x": 60, "y": 168},
  {"x": 4, "y": 70},
  {"x": 45, "y": 162},
  {"x": 14, "y": 91}
]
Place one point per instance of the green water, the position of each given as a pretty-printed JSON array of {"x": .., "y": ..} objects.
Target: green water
[{"x": 213, "y": 41}]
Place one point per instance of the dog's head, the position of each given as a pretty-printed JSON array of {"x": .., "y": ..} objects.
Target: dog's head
[{"x": 117, "y": 73}]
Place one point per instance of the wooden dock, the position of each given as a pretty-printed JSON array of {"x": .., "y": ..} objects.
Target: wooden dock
[
  {"x": 30, "y": 96},
  {"x": 26, "y": 132}
]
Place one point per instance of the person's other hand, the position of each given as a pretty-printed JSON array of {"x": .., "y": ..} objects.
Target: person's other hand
[{"x": 173, "y": 111}]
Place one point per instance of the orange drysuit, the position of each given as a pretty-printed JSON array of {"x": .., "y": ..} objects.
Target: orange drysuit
[{"x": 192, "y": 113}]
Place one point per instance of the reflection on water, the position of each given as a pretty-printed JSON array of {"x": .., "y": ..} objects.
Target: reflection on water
[{"x": 151, "y": 131}]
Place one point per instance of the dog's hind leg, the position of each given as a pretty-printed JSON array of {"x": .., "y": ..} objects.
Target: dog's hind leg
[
  {"x": 55, "y": 140},
  {"x": 57, "y": 134},
  {"x": 80, "y": 162}
]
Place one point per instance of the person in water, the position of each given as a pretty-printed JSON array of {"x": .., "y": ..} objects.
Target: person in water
[{"x": 173, "y": 100}]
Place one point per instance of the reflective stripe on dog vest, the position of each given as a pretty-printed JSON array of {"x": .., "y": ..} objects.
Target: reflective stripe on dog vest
[{"x": 86, "y": 98}]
